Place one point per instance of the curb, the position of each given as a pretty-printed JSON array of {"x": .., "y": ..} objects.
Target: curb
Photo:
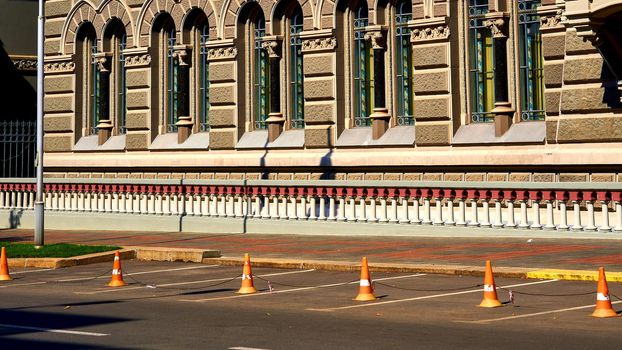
[
  {"x": 140, "y": 253},
  {"x": 461, "y": 270}
]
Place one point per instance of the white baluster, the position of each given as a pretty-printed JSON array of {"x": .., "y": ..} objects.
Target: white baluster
[
  {"x": 415, "y": 219},
  {"x": 231, "y": 206},
  {"x": 31, "y": 200},
  {"x": 54, "y": 200},
  {"x": 293, "y": 210},
  {"x": 450, "y": 213},
  {"x": 284, "y": 207},
  {"x": 351, "y": 210},
  {"x": 383, "y": 211},
  {"x": 372, "y": 210},
  {"x": 19, "y": 200},
  {"x": 511, "y": 221},
  {"x": 115, "y": 202},
  {"x": 143, "y": 203},
  {"x": 524, "y": 223},
  {"x": 312, "y": 208},
  {"x": 158, "y": 204},
  {"x": 341, "y": 210},
  {"x": 535, "y": 206},
  {"x": 474, "y": 219},
  {"x": 550, "y": 220},
  {"x": 151, "y": 204},
  {"x": 122, "y": 202},
  {"x": 303, "y": 208},
  {"x": 438, "y": 220},
  {"x": 239, "y": 211},
  {"x": 2, "y": 201},
  {"x": 331, "y": 209},
  {"x": 485, "y": 222},
  {"x": 604, "y": 227},
  {"x": 275, "y": 212},
  {"x": 322, "y": 208},
  {"x": 618, "y": 227},
  {"x": 362, "y": 211},
  {"x": 393, "y": 219},
  {"x": 563, "y": 215},
  {"x": 257, "y": 208},
  {"x": 461, "y": 212},
  {"x": 498, "y": 214},
  {"x": 591, "y": 219},
  {"x": 222, "y": 207},
  {"x": 14, "y": 200},
  {"x": 404, "y": 219},
  {"x": 427, "y": 220}
]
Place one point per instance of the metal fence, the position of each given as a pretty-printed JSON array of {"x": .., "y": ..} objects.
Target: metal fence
[{"x": 17, "y": 148}]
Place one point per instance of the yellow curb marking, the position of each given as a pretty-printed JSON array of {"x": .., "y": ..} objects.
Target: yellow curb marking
[{"x": 574, "y": 275}]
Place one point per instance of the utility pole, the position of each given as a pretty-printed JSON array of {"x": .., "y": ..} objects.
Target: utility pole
[{"x": 39, "y": 241}]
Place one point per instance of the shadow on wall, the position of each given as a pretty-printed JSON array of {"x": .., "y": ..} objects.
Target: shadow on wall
[
  {"x": 326, "y": 163},
  {"x": 611, "y": 95},
  {"x": 18, "y": 99},
  {"x": 15, "y": 218}
]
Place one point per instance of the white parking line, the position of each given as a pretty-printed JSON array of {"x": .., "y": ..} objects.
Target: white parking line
[
  {"x": 137, "y": 273},
  {"x": 108, "y": 290},
  {"x": 330, "y": 309},
  {"x": 29, "y": 271},
  {"x": 297, "y": 289},
  {"x": 245, "y": 348},
  {"x": 22, "y": 284},
  {"x": 50, "y": 330},
  {"x": 536, "y": 313}
]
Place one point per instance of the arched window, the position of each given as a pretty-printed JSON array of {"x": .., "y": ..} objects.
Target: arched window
[
  {"x": 481, "y": 63},
  {"x": 296, "y": 69},
  {"x": 166, "y": 92},
  {"x": 86, "y": 46},
  {"x": 115, "y": 42},
  {"x": 203, "y": 79},
  {"x": 100, "y": 78},
  {"x": 195, "y": 36},
  {"x": 261, "y": 69},
  {"x": 363, "y": 58},
  {"x": 531, "y": 65},
  {"x": 403, "y": 64}
]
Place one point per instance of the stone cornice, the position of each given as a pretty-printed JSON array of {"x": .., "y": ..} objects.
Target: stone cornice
[
  {"x": 137, "y": 60},
  {"x": 59, "y": 67},
  {"x": 319, "y": 44},
  {"x": 26, "y": 64},
  {"x": 221, "y": 50}
]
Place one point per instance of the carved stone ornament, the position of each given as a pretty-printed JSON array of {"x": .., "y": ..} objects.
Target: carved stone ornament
[
  {"x": 102, "y": 63},
  {"x": 59, "y": 67},
  {"x": 138, "y": 60},
  {"x": 377, "y": 39},
  {"x": 497, "y": 27},
  {"x": 319, "y": 44},
  {"x": 181, "y": 55},
  {"x": 429, "y": 33},
  {"x": 272, "y": 47},
  {"x": 553, "y": 21},
  {"x": 222, "y": 53},
  {"x": 25, "y": 64}
]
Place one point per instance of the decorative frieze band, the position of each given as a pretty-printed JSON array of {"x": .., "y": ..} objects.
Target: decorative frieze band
[
  {"x": 429, "y": 33},
  {"x": 553, "y": 21},
  {"x": 138, "y": 60},
  {"x": 319, "y": 44},
  {"x": 24, "y": 63},
  {"x": 59, "y": 67},
  {"x": 222, "y": 53}
]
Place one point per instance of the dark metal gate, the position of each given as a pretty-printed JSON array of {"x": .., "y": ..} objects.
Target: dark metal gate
[{"x": 17, "y": 148}]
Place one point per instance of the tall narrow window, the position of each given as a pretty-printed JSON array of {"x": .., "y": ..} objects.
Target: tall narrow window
[
  {"x": 262, "y": 73},
  {"x": 481, "y": 63},
  {"x": 296, "y": 70},
  {"x": 363, "y": 84},
  {"x": 122, "y": 110},
  {"x": 203, "y": 79},
  {"x": 531, "y": 77},
  {"x": 173, "y": 88},
  {"x": 404, "y": 68},
  {"x": 99, "y": 88}
]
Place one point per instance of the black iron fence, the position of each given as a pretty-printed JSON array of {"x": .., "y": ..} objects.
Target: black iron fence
[{"x": 17, "y": 148}]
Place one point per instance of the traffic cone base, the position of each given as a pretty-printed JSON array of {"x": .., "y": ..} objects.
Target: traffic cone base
[
  {"x": 4, "y": 266},
  {"x": 247, "y": 286},
  {"x": 490, "y": 290},
  {"x": 117, "y": 275},
  {"x": 603, "y": 302},
  {"x": 366, "y": 291}
]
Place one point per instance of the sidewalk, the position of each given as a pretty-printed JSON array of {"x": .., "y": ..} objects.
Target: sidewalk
[{"x": 460, "y": 254}]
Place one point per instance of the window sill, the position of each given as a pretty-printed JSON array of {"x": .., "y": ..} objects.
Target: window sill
[
  {"x": 169, "y": 142},
  {"x": 258, "y": 139},
  {"x": 89, "y": 143},
  {"x": 484, "y": 133},
  {"x": 395, "y": 136}
]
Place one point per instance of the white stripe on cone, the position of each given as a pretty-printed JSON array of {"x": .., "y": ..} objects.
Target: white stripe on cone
[
  {"x": 489, "y": 288},
  {"x": 602, "y": 297},
  {"x": 116, "y": 271},
  {"x": 246, "y": 277},
  {"x": 365, "y": 283}
]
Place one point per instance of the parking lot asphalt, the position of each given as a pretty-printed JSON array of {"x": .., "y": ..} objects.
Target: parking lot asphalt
[{"x": 194, "y": 306}]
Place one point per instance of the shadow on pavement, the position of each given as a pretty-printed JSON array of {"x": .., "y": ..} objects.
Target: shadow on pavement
[{"x": 48, "y": 345}]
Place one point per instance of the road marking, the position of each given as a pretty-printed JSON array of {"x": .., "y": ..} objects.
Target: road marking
[
  {"x": 22, "y": 284},
  {"x": 245, "y": 348},
  {"x": 50, "y": 330},
  {"x": 108, "y": 290},
  {"x": 137, "y": 273},
  {"x": 297, "y": 289},
  {"x": 423, "y": 297},
  {"x": 29, "y": 271},
  {"x": 535, "y": 313}
]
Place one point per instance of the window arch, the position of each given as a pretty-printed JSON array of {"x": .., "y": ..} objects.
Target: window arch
[
  {"x": 481, "y": 63},
  {"x": 531, "y": 61},
  {"x": 86, "y": 46},
  {"x": 114, "y": 44},
  {"x": 196, "y": 35},
  {"x": 403, "y": 63},
  {"x": 362, "y": 67},
  {"x": 164, "y": 75}
]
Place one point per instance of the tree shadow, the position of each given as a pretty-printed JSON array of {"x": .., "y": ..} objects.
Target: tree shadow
[{"x": 17, "y": 97}]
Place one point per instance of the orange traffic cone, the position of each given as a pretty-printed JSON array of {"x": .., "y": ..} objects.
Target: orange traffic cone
[
  {"x": 603, "y": 303},
  {"x": 247, "y": 277},
  {"x": 117, "y": 274},
  {"x": 490, "y": 290},
  {"x": 4, "y": 267},
  {"x": 366, "y": 290}
]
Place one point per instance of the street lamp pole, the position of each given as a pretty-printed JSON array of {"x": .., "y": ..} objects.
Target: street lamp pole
[{"x": 39, "y": 241}]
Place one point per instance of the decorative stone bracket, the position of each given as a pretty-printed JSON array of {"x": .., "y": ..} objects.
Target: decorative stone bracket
[
  {"x": 182, "y": 54},
  {"x": 273, "y": 46},
  {"x": 26, "y": 64},
  {"x": 549, "y": 21},
  {"x": 318, "y": 41},
  {"x": 377, "y": 37},
  {"x": 103, "y": 61},
  {"x": 498, "y": 24},
  {"x": 221, "y": 50},
  {"x": 275, "y": 122}
]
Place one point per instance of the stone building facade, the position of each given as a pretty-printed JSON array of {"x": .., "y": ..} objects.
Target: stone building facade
[{"x": 437, "y": 90}]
